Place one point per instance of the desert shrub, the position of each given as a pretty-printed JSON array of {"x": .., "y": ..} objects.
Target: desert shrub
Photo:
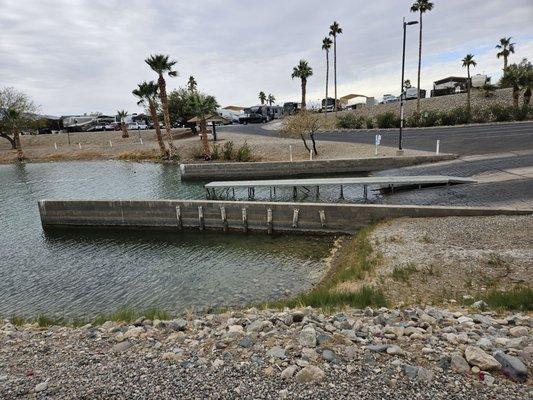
[
  {"x": 387, "y": 120},
  {"x": 412, "y": 121},
  {"x": 228, "y": 151},
  {"x": 369, "y": 122},
  {"x": 350, "y": 121},
  {"x": 244, "y": 153},
  {"x": 520, "y": 113},
  {"x": 460, "y": 115},
  {"x": 197, "y": 152},
  {"x": 501, "y": 113},
  {"x": 480, "y": 114},
  {"x": 429, "y": 118},
  {"x": 215, "y": 153}
]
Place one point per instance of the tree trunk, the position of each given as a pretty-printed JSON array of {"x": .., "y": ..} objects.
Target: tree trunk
[
  {"x": 327, "y": 81},
  {"x": 305, "y": 142},
  {"x": 10, "y": 140},
  {"x": 527, "y": 97},
  {"x": 155, "y": 120},
  {"x": 504, "y": 62},
  {"x": 18, "y": 144},
  {"x": 468, "y": 88},
  {"x": 124, "y": 130},
  {"x": 419, "y": 67},
  {"x": 314, "y": 144},
  {"x": 166, "y": 116},
  {"x": 335, "y": 70},
  {"x": 203, "y": 132},
  {"x": 304, "y": 81},
  {"x": 516, "y": 95}
]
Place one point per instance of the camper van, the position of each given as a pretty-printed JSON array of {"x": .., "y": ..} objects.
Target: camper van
[
  {"x": 262, "y": 113},
  {"x": 411, "y": 93}
]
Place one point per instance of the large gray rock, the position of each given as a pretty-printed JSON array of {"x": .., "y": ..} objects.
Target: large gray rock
[
  {"x": 277, "y": 352},
  {"x": 289, "y": 372},
  {"x": 459, "y": 364},
  {"x": 307, "y": 337},
  {"x": 120, "y": 347},
  {"x": 476, "y": 356},
  {"x": 512, "y": 366},
  {"x": 310, "y": 373}
]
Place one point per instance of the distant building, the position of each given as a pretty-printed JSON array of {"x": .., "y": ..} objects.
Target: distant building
[{"x": 449, "y": 85}]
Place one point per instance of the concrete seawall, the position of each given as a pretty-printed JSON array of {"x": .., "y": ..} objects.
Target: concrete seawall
[
  {"x": 285, "y": 169},
  {"x": 268, "y": 217}
]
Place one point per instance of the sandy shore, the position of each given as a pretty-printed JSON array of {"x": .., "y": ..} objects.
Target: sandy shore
[{"x": 142, "y": 145}]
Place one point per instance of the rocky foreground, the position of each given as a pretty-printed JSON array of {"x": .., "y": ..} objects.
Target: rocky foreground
[{"x": 369, "y": 354}]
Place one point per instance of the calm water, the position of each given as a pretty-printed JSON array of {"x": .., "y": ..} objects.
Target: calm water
[{"x": 81, "y": 273}]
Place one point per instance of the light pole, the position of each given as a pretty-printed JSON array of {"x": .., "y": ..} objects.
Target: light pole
[{"x": 402, "y": 94}]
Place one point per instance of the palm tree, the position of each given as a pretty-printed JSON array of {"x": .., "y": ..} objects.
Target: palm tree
[
  {"x": 335, "y": 30},
  {"x": 420, "y": 6},
  {"x": 147, "y": 94},
  {"x": 121, "y": 115},
  {"x": 271, "y": 99},
  {"x": 12, "y": 117},
  {"x": 161, "y": 64},
  {"x": 468, "y": 61},
  {"x": 407, "y": 84},
  {"x": 262, "y": 97},
  {"x": 506, "y": 48},
  {"x": 203, "y": 106},
  {"x": 302, "y": 71},
  {"x": 191, "y": 84},
  {"x": 519, "y": 76},
  {"x": 326, "y": 45}
]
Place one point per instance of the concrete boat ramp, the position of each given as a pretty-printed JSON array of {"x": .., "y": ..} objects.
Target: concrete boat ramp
[{"x": 390, "y": 182}]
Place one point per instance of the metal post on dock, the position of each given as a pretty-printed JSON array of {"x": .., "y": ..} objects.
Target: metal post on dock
[
  {"x": 224, "y": 219},
  {"x": 178, "y": 217},
  {"x": 295, "y": 213},
  {"x": 201, "y": 218},
  {"x": 269, "y": 221},
  {"x": 244, "y": 220},
  {"x": 342, "y": 192},
  {"x": 365, "y": 192}
]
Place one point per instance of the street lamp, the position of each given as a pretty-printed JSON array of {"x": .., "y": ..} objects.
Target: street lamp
[{"x": 402, "y": 93}]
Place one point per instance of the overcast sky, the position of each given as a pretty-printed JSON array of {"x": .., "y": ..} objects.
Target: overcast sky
[{"x": 75, "y": 56}]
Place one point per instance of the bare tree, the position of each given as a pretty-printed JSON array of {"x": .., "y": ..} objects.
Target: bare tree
[{"x": 305, "y": 125}]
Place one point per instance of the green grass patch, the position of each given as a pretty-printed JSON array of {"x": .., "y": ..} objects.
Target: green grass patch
[
  {"x": 128, "y": 315},
  {"x": 44, "y": 321},
  {"x": 354, "y": 261},
  {"x": 520, "y": 299},
  {"x": 17, "y": 320},
  {"x": 403, "y": 272}
]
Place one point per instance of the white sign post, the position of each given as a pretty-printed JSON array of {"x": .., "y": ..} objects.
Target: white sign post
[
  {"x": 378, "y": 142},
  {"x": 290, "y": 152},
  {"x": 311, "y": 155},
  {"x": 438, "y": 147}
]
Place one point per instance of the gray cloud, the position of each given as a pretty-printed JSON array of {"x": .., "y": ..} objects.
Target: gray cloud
[{"x": 78, "y": 56}]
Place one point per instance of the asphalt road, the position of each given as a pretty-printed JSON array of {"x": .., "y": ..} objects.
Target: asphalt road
[
  {"x": 462, "y": 140},
  {"x": 495, "y": 147}
]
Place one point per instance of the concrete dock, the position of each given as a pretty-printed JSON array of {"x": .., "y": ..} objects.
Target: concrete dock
[
  {"x": 239, "y": 216},
  {"x": 380, "y": 181}
]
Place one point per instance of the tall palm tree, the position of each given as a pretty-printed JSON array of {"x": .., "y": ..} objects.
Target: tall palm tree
[
  {"x": 262, "y": 97},
  {"x": 407, "y": 84},
  {"x": 506, "y": 48},
  {"x": 162, "y": 64},
  {"x": 121, "y": 115},
  {"x": 326, "y": 45},
  {"x": 12, "y": 117},
  {"x": 335, "y": 30},
  {"x": 271, "y": 99},
  {"x": 468, "y": 62},
  {"x": 421, "y": 7},
  {"x": 191, "y": 84},
  {"x": 302, "y": 71},
  {"x": 203, "y": 106},
  {"x": 146, "y": 92}
]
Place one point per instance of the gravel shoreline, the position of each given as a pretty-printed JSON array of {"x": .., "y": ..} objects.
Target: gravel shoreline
[{"x": 303, "y": 354}]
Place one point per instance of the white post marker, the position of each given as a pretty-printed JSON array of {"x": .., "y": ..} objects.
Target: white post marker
[
  {"x": 141, "y": 139},
  {"x": 79, "y": 145},
  {"x": 55, "y": 145},
  {"x": 378, "y": 142},
  {"x": 110, "y": 144},
  {"x": 290, "y": 152},
  {"x": 311, "y": 155},
  {"x": 438, "y": 147}
]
